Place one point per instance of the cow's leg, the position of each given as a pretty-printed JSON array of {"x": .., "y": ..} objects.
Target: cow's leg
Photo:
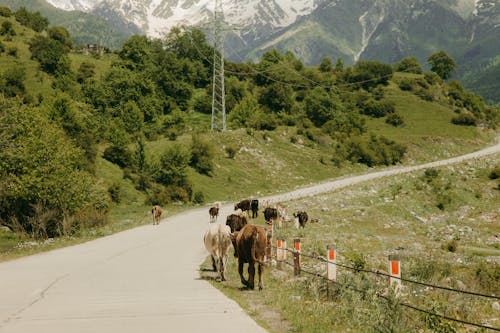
[
  {"x": 251, "y": 275},
  {"x": 261, "y": 268},
  {"x": 223, "y": 269},
  {"x": 240, "y": 271},
  {"x": 214, "y": 266}
]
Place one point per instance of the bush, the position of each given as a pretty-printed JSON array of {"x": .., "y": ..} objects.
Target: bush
[
  {"x": 464, "y": 119},
  {"x": 375, "y": 151},
  {"x": 406, "y": 84},
  {"x": 495, "y": 173},
  {"x": 119, "y": 155},
  {"x": 114, "y": 192},
  {"x": 202, "y": 155},
  {"x": 5, "y": 11},
  {"x": 7, "y": 29},
  {"x": 198, "y": 197},
  {"x": 395, "y": 120},
  {"x": 231, "y": 151},
  {"x": 377, "y": 109}
]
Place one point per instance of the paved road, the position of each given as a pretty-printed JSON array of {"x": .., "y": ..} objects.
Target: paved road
[{"x": 141, "y": 280}]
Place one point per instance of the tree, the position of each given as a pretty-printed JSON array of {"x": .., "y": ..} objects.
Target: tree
[
  {"x": 49, "y": 53},
  {"x": 173, "y": 167},
  {"x": 321, "y": 106},
  {"x": 202, "y": 155},
  {"x": 408, "y": 65},
  {"x": 369, "y": 74},
  {"x": 34, "y": 21},
  {"x": 85, "y": 71},
  {"x": 325, "y": 65},
  {"x": 442, "y": 64},
  {"x": 40, "y": 166},
  {"x": 7, "y": 29},
  {"x": 61, "y": 35},
  {"x": 277, "y": 97}
]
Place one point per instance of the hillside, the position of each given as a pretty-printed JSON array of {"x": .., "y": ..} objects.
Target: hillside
[{"x": 103, "y": 136}]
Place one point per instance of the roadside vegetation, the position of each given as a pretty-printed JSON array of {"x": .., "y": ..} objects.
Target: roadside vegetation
[
  {"x": 91, "y": 138},
  {"x": 441, "y": 222}
]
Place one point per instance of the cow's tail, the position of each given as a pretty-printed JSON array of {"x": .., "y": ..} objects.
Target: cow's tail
[{"x": 255, "y": 239}]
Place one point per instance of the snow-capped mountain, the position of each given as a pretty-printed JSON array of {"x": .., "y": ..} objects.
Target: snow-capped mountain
[{"x": 156, "y": 17}]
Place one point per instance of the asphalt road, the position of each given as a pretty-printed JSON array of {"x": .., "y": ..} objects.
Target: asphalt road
[{"x": 141, "y": 280}]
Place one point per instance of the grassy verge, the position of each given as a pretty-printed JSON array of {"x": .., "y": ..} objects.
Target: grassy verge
[{"x": 443, "y": 223}]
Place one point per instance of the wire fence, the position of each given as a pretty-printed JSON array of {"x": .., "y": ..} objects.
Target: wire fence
[{"x": 297, "y": 270}]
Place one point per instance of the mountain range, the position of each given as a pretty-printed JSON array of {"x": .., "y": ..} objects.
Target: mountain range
[{"x": 384, "y": 30}]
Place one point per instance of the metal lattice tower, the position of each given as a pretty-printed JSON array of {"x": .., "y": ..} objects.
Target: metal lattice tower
[{"x": 218, "y": 91}]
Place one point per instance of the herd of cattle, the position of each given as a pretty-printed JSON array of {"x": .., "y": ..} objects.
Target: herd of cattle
[{"x": 249, "y": 240}]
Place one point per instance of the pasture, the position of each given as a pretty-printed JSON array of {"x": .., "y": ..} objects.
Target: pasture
[{"x": 444, "y": 225}]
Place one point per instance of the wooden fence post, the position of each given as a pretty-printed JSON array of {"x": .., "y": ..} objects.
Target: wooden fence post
[
  {"x": 296, "y": 257},
  {"x": 395, "y": 273},
  {"x": 279, "y": 253}
]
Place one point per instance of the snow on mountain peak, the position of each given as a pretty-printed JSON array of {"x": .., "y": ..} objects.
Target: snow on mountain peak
[{"x": 156, "y": 17}]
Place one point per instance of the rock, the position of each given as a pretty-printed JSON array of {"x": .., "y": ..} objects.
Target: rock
[{"x": 495, "y": 306}]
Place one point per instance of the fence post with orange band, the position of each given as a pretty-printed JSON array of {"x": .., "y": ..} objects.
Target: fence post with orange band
[
  {"x": 395, "y": 273},
  {"x": 296, "y": 257},
  {"x": 269, "y": 248},
  {"x": 279, "y": 253},
  {"x": 331, "y": 265}
]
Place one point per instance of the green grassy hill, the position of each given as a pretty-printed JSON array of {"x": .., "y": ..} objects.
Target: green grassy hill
[{"x": 96, "y": 116}]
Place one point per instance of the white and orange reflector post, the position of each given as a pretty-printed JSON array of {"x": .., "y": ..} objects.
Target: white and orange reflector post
[
  {"x": 331, "y": 267},
  {"x": 279, "y": 253},
  {"x": 395, "y": 273}
]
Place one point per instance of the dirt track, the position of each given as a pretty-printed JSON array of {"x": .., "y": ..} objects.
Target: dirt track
[{"x": 141, "y": 280}]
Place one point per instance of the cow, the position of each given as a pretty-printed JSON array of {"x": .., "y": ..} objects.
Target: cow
[
  {"x": 217, "y": 241},
  {"x": 250, "y": 248},
  {"x": 300, "y": 219},
  {"x": 254, "y": 205},
  {"x": 270, "y": 214},
  {"x": 214, "y": 212},
  {"x": 237, "y": 222},
  {"x": 156, "y": 212},
  {"x": 244, "y": 205}
]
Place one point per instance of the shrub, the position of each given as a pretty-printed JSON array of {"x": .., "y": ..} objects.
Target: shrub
[
  {"x": 7, "y": 29},
  {"x": 406, "y": 84},
  {"x": 202, "y": 155},
  {"x": 114, "y": 192},
  {"x": 394, "y": 119},
  {"x": 2, "y": 48},
  {"x": 119, "y": 155},
  {"x": 464, "y": 119},
  {"x": 5, "y": 11},
  {"x": 376, "y": 108},
  {"x": 375, "y": 151},
  {"x": 495, "y": 173},
  {"x": 198, "y": 197},
  {"x": 231, "y": 151}
]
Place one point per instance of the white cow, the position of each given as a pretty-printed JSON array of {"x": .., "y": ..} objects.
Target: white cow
[{"x": 217, "y": 241}]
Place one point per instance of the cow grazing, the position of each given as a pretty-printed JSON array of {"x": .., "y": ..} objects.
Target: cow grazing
[
  {"x": 214, "y": 212},
  {"x": 254, "y": 205},
  {"x": 244, "y": 205},
  {"x": 156, "y": 212},
  {"x": 250, "y": 248},
  {"x": 217, "y": 241},
  {"x": 300, "y": 219},
  {"x": 237, "y": 222},
  {"x": 270, "y": 214}
]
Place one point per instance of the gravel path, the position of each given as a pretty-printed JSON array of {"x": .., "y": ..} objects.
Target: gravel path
[{"x": 145, "y": 279}]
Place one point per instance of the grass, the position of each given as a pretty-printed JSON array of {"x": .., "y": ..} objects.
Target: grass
[{"x": 369, "y": 221}]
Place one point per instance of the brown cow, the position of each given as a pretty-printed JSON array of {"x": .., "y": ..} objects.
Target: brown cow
[
  {"x": 254, "y": 205},
  {"x": 244, "y": 205},
  {"x": 300, "y": 219},
  {"x": 250, "y": 248},
  {"x": 156, "y": 212},
  {"x": 237, "y": 222},
  {"x": 214, "y": 212},
  {"x": 217, "y": 241},
  {"x": 270, "y": 214}
]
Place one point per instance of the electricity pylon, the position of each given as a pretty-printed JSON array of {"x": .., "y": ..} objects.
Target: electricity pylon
[{"x": 218, "y": 91}]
